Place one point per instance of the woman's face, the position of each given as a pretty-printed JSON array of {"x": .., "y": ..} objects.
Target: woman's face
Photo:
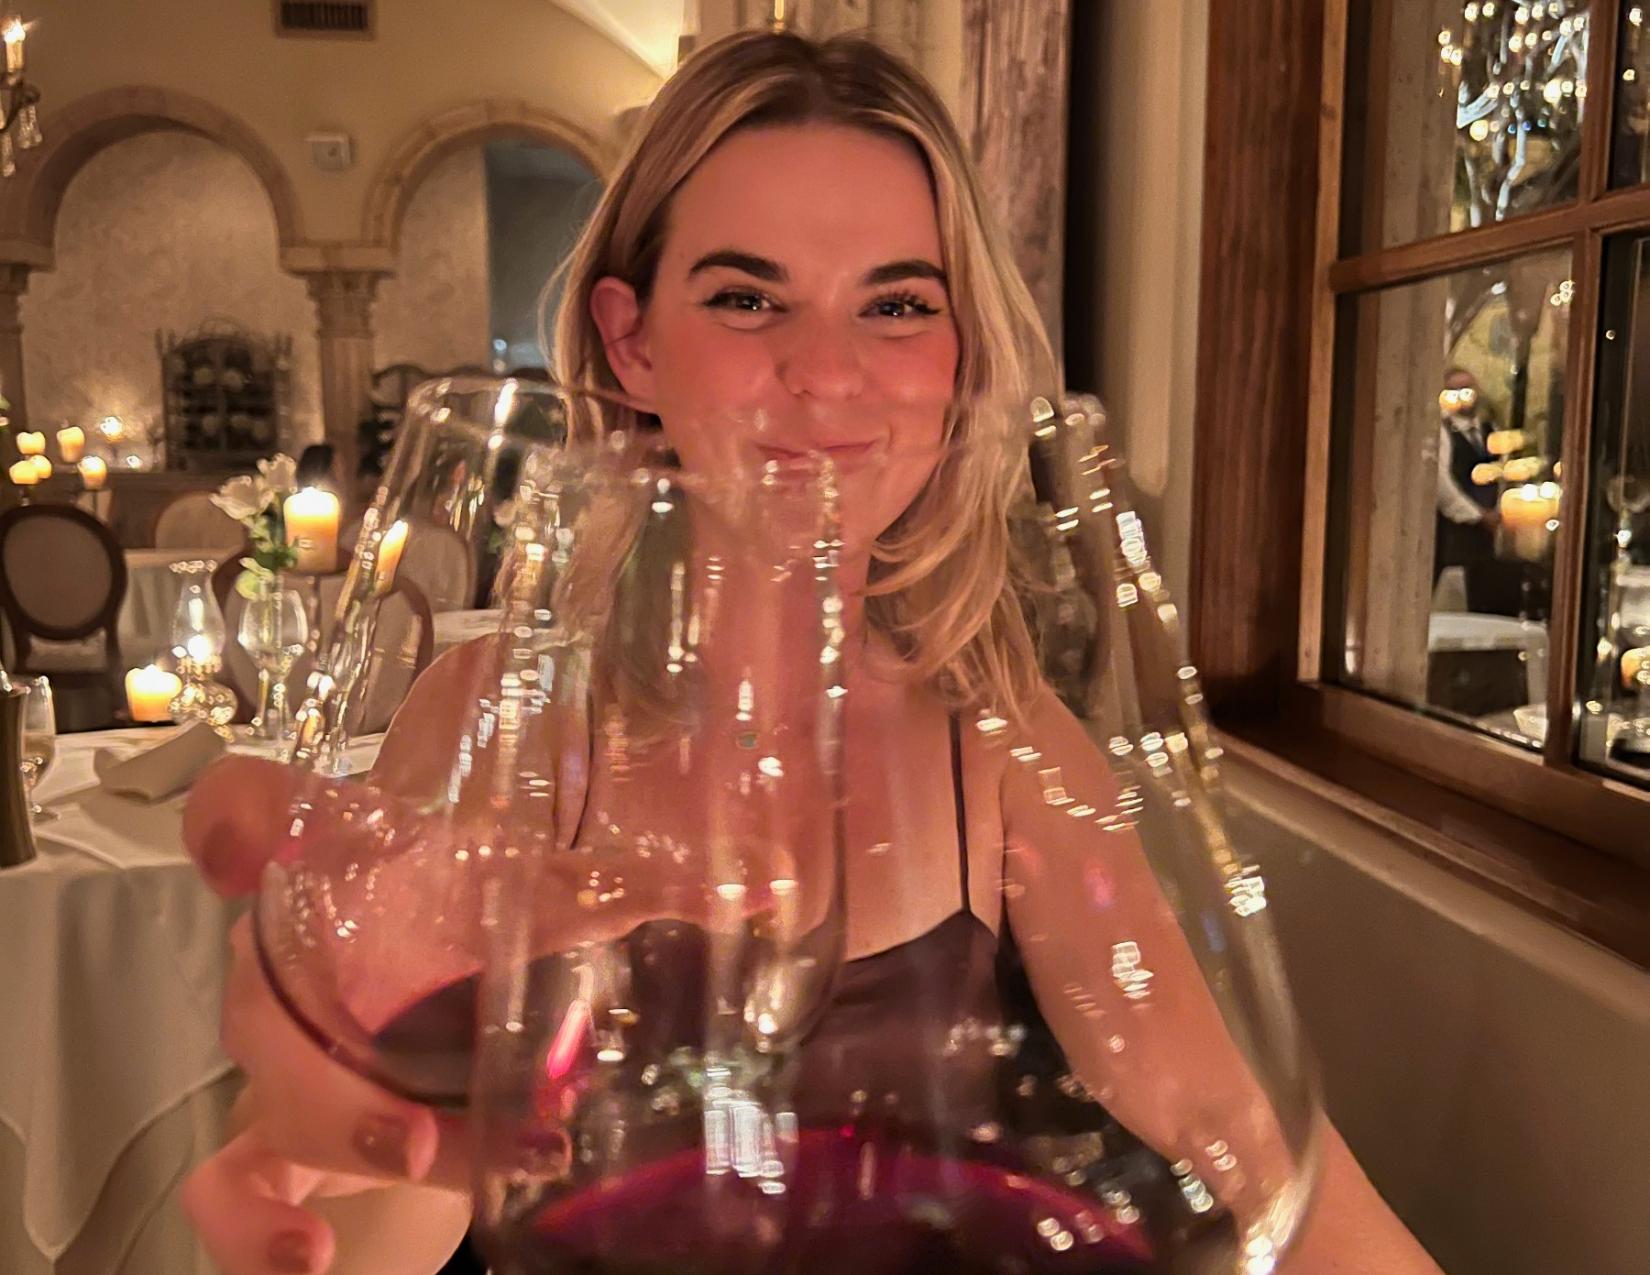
[{"x": 800, "y": 305}]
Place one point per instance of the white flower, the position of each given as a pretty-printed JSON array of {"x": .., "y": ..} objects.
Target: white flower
[
  {"x": 241, "y": 498},
  {"x": 279, "y": 474}
]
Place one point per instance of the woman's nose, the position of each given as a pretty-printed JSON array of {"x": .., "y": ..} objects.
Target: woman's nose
[{"x": 820, "y": 359}]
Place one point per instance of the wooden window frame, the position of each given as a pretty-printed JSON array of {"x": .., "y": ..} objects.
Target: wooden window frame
[{"x": 1568, "y": 843}]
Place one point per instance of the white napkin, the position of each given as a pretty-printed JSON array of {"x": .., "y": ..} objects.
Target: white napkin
[{"x": 169, "y": 765}]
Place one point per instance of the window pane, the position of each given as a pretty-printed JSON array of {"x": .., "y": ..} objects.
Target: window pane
[
  {"x": 1614, "y": 668},
  {"x": 1482, "y": 113},
  {"x": 1449, "y": 466},
  {"x": 1630, "y": 155}
]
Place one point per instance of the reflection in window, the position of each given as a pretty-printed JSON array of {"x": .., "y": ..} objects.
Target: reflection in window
[
  {"x": 1614, "y": 732},
  {"x": 1451, "y": 492},
  {"x": 1630, "y": 155},
  {"x": 1483, "y": 113}
]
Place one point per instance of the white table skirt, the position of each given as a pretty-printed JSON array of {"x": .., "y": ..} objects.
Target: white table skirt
[{"x": 114, "y": 953}]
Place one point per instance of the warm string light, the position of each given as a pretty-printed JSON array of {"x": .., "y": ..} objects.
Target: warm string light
[{"x": 1515, "y": 71}]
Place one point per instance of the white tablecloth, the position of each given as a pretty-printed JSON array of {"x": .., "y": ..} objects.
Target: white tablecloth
[
  {"x": 112, "y": 959},
  {"x": 152, "y": 590},
  {"x": 1469, "y": 631}
]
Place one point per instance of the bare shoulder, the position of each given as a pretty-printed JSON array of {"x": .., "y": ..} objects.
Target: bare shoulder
[{"x": 1051, "y": 763}]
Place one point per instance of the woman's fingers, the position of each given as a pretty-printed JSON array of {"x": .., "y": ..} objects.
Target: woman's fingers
[
  {"x": 236, "y": 819},
  {"x": 312, "y": 1109},
  {"x": 235, "y": 1203}
]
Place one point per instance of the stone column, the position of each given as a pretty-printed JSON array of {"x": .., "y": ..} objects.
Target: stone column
[
  {"x": 343, "y": 307},
  {"x": 14, "y": 281}
]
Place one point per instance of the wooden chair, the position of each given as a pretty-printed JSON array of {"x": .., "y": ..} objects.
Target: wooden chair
[
  {"x": 403, "y": 639},
  {"x": 192, "y": 521},
  {"x": 437, "y": 559},
  {"x": 62, "y": 580}
]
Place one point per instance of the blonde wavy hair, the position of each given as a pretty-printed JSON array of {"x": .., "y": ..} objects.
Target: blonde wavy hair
[{"x": 941, "y": 585}]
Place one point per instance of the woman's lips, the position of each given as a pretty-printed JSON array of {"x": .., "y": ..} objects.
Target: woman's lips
[{"x": 838, "y": 452}]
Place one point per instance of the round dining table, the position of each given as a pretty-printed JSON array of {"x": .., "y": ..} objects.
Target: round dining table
[{"x": 112, "y": 1082}]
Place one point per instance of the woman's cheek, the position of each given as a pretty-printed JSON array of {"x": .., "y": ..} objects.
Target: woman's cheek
[
  {"x": 708, "y": 366},
  {"x": 919, "y": 370}
]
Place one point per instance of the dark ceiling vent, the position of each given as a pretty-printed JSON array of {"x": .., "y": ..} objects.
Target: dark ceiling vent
[{"x": 337, "y": 19}]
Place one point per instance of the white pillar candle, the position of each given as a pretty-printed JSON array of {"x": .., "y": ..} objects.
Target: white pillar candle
[
  {"x": 1529, "y": 516},
  {"x": 390, "y": 546},
  {"x": 31, "y": 443},
  {"x": 42, "y": 467},
  {"x": 94, "y": 472},
  {"x": 22, "y": 473},
  {"x": 312, "y": 527},
  {"x": 71, "y": 442},
  {"x": 149, "y": 693}
]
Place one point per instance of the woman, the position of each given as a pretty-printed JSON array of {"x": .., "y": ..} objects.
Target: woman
[{"x": 794, "y": 234}]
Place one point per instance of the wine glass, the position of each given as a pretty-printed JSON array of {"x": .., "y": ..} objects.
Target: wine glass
[
  {"x": 39, "y": 740},
  {"x": 1090, "y": 1065},
  {"x": 274, "y": 632},
  {"x": 537, "y": 808}
]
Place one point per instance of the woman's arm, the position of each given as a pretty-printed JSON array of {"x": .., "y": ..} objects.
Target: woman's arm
[{"x": 1123, "y": 992}]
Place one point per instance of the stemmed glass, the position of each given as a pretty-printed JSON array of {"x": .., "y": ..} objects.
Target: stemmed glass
[
  {"x": 274, "y": 632},
  {"x": 39, "y": 740},
  {"x": 594, "y": 892},
  {"x": 542, "y": 798}
]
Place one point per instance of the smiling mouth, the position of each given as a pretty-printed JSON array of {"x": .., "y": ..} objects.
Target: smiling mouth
[{"x": 836, "y": 451}]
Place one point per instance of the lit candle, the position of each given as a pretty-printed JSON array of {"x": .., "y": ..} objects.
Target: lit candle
[
  {"x": 1529, "y": 516},
  {"x": 31, "y": 444},
  {"x": 13, "y": 33},
  {"x": 149, "y": 693},
  {"x": 22, "y": 473},
  {"x": 1632, "y": 663},
  {"x": 312, "y": 527},
  {"x": 1504, "y": 442},
  {"x": 94, "y": 472},
  {"x": 71, "y": 442},
  {"x": 390, "y": 546},
  {"x": 42, "y": 467}
]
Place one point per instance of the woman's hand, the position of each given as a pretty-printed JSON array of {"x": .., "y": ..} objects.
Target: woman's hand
[{"x": 307, "y": 1127}]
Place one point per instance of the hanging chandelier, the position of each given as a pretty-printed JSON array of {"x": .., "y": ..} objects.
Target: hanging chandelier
[{"x": 19, "y": 120}]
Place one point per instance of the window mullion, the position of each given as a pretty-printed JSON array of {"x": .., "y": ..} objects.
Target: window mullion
[
  {"x": 1598, "y": 123},
  {"x": 1569, "y": 551}
]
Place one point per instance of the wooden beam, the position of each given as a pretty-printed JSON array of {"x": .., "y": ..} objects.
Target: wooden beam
[
  {"x": 1254, "y": 346},
  {"x": 1013, "y": 115}
]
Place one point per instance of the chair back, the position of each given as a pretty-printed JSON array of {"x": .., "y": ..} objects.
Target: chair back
[
  {"x": 404, "y": 642},
  {"x": 403, "y": 638},
  {"x": 238, "y": 673},
  {"x": 192, "y": 521},
  {"x": 437, "y": 559},
  {"x": 62, "y": 579}
]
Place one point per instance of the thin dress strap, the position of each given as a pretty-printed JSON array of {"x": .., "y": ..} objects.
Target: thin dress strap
[{"x": 961, "y": 807}]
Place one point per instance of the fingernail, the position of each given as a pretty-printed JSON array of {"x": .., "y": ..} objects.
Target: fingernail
[
  {"x": 289, "y": 1253},
  {"x": 382, "y": 1142}
]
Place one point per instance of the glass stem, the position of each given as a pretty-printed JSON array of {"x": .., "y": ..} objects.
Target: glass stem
[{"x": 260, "y": 721}]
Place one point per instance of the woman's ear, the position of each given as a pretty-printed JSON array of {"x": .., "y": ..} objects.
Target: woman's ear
[{"x": 618, "y": 317}]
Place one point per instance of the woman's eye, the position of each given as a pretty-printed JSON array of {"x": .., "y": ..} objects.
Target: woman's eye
[
  {"x": 739, "y": 299},
  {"x": 903, "y": 306}
]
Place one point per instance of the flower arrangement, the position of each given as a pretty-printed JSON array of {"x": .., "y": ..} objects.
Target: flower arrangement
[{"x": 258, "y": 502}]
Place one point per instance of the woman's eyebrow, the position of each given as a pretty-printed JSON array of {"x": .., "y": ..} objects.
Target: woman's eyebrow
[
  {"x": 897, "y": 271},
  {"x": 748, "y": 262}
]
